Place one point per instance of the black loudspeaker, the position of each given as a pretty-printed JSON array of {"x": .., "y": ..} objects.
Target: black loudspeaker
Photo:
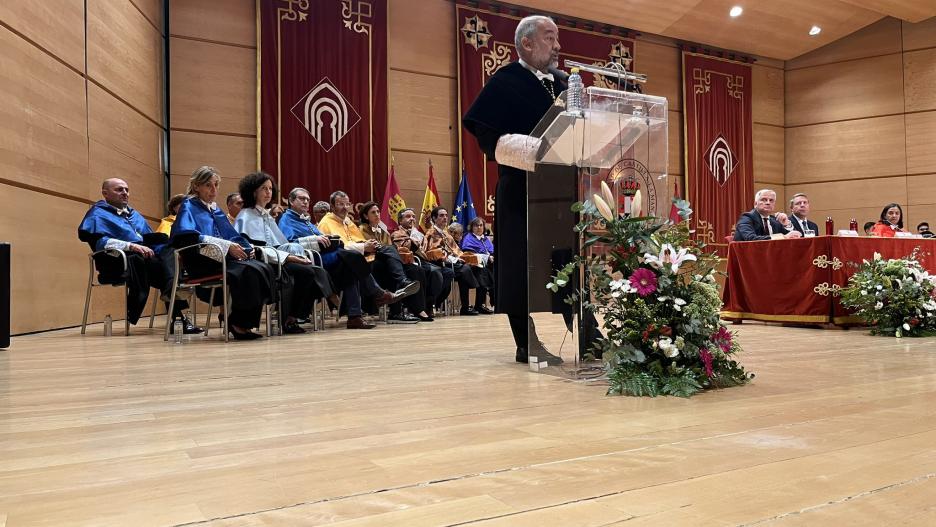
[{"x": 5, "y": 295}]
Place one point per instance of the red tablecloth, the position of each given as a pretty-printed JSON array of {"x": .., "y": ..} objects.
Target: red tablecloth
[{"x": 800, "y": 280}]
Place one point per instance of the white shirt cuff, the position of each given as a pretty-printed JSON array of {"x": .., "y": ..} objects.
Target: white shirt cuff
[
  {"x": 114, "y": 244},
  {"x": 517, "y": 150}
]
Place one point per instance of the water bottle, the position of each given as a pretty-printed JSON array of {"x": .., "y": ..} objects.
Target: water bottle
[
  {"x": 829, "y": 226},
  {"x": 178, "y": 330},
  {"x": 275, "y": 326},
  {"x": 574, "y": 93},
  {"x": 853, "y": 225},
  {"x": 108, "y": 326}
]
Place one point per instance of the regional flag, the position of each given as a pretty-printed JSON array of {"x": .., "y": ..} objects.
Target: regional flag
[
  {"x": 464, "y": 205},
  {"x": 392, "y": 202},
  {"x": 430, "y": 201}
]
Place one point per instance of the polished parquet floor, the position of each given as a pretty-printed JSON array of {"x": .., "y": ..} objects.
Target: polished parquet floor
[{"x": 435, "y": 425}]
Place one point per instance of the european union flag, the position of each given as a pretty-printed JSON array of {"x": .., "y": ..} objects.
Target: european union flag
[{"x": 464, "y": 205}]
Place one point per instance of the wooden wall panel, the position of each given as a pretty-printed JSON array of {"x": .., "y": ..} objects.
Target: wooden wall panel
[
  {"x": 847, "y": 90},
  {"x": 213, "y": 87},
  {"x": 233, "y": 156},
  {"x": 921, "y": 190},
  {"x": 663, "y": 67},
  {"x": 768, "y": 153},
  {"x": 433, "y": 100},
  {"x": 919, "y": 35},
  {"x": 178, "y": 184},
  {"x": 767, "y": 91},
  {"x": 48, "y": 285},
  {"x": 849, "y": 195},
  {"x": 43, "y": 127},
  {"x": 853, "y": 149},
  {"x": 880, "y": 38},
  {"x": 921, "y": 142},
  {"x": 920, "y": 80},
  {"x": 233, "y": 22},
  {"x": 842, "y": 216},
  {"x": 915, "y": 214},
  {"x": 56, "y": 25},
  {"x": 116, "y": 125},
  {"x": 152, "y": 10},
  {"x": 146, "y": 183},
  {"x": 422, "y": 39},
  {"x": 125, "y": 54},
  {"x": 675, "y": 149},
  {"x": 412, "y": 171}
]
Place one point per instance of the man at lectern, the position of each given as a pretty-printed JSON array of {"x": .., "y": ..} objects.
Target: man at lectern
[{"x": 509, "y": 106}]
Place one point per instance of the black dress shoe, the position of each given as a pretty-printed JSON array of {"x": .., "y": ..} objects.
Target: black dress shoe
[
  {"x": 293, "y": 329},
  {"x": 483, "y": 310},
  {"x": 543, "y": 355},
  {"x": 470, "y": 312},
  {"x": 188, "y": 327},
  {"x": 249, "y": 335},
  {"x": 522, "y": 356},
  {"x": 428, "y": 318},
  {"x": 402, "y": 318}
]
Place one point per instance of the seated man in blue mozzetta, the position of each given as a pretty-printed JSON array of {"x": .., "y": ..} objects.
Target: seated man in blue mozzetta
[
  {"x": 110, "y": 224},
  {"x": 759, "y": 224},
  {"x": 349, "y": 270}
]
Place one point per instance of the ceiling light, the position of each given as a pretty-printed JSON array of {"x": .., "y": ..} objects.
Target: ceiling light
[
  {"x": 736, "y": 11},
  {"x": 813, "y": 31}
]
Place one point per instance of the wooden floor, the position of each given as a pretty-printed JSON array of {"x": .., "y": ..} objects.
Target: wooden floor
[{"x": 436, "y": 425}]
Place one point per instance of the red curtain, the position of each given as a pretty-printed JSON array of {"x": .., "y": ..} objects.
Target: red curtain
[
  {"x": 323, "y": 95},
  {"x": 719, "y": 156},
  {"x": 485, "y": 35}
]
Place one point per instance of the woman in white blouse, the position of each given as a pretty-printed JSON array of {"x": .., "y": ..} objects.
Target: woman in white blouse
[{"x": 304, "y": 282}]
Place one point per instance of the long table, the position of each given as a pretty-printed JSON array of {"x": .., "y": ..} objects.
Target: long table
[{"x": 800, "y": 280}]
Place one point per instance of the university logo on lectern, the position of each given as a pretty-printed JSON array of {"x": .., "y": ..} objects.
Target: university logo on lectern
[
  {"x": 325, "y": 114},
  {"x": 720, "y": 160}
]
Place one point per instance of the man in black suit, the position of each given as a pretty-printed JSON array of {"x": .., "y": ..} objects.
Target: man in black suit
[
  {"x": 799, "y": 207},
  {"x": 758, "y": 224}
]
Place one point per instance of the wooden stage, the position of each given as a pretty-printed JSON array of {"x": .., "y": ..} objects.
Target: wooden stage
[{"x": 435, "y": 425}]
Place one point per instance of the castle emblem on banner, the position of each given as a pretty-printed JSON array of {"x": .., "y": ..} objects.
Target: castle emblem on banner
[
  {"x": 721, "y": 160},
  {"x": 325, "y": 114},
  {"x": 476, "y": 32}
]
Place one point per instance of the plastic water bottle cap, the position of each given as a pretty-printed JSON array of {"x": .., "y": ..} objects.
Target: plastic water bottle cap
[{"x": 575, "y": 70}]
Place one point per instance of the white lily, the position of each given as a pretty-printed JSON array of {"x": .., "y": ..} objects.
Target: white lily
[
  {"x": 877, "y": 256},
  {"x": 636, "y": 202},
  {"x": 603, "y": 208},
  {"x": 669, "y": 256},
  {"x": 607, "y": 195}
]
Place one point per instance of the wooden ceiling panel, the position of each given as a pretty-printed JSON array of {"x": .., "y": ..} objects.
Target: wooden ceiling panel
[
  {"x": 909, "y": 10},
  {"x": 767, "y": 28}
]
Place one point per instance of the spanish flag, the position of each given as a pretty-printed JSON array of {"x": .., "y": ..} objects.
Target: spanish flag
[
  {"x": 392, "y": 202},
  {"x": 430, "y": 201}
]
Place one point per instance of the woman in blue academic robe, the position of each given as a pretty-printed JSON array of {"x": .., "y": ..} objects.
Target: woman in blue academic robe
[{"x": 249, "y": 280}]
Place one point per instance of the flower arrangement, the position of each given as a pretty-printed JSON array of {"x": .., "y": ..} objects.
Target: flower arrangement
[
  {"x": 654, "y": 291},
  {"x": 893, "y": 296}
]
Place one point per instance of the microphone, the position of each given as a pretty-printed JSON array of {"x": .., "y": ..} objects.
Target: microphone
[{"x": 560, "y": 75}]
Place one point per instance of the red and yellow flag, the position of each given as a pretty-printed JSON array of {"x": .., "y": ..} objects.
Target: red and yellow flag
[
  {"x": 392, "y": 202},
  {"x": 430, "y": 201}
]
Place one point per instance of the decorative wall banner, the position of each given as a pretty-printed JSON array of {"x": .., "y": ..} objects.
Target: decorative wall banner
[
  {"x": 485, "y": 37},
  {"x": 322, "y": 108},
  {"x": 719, "y": 155}
]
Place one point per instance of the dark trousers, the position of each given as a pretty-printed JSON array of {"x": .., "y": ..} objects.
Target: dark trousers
[
  {"x": 414, "y": 303},
  {"x": 308, "y": 283},
  {"x": 142, "y": 273},
  {"x": 251, "y": 282},
  {"x": 466, "y": 282},
  {"x": 448, "y": 276},
  {"x": 388, "y": 269}
]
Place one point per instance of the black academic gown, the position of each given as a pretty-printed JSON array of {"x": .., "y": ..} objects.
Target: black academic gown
[{"x": 512, "y": 102}]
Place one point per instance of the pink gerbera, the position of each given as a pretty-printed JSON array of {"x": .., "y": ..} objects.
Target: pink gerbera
[
  {"x": 644, "y": 281},
  {"x": 706, "y": 357},
  {"x": 722, "y": 337}
]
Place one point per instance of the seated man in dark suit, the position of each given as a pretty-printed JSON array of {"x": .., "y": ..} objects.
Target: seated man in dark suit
[
  {"x": 799, "y": 207},
  {"x": 758, "y": 224},
  {"x": 923, "y": 230},
  {"x": 111, "y": 224}
]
